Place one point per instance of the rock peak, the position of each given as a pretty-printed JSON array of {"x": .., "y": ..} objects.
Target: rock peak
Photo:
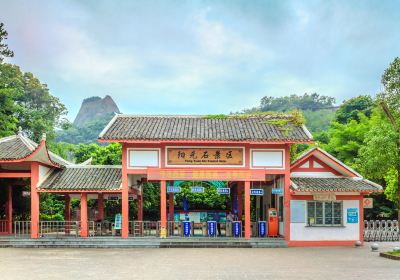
[{"x": 95, "y": 107}]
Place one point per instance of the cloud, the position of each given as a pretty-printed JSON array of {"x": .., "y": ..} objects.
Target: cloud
[{"x": 202, "y": 56}]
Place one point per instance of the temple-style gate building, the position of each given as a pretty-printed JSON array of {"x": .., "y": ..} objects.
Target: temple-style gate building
[{"x": 319, "y": 199}]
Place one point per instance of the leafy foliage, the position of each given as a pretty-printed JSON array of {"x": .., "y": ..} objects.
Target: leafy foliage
[
  {"x": 83, "y": 134},
  {"x": 28, "y": 103},
  {"x": 351, "y": 108},
  {"x": 4, "y": 50},
  {"x": 306, "y": 101},
  {"x": 210, "y": 199}
]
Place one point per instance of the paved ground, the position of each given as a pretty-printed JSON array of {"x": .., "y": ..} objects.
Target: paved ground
[{"x": 291, "y": 263}]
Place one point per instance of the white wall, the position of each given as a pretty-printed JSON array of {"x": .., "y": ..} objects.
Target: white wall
[
  {"x": 141, "y": 158},
  {"x": 300, "y": 231}
]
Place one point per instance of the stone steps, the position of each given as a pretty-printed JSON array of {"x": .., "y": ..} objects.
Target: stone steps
[{"x": 107, "y": 242}]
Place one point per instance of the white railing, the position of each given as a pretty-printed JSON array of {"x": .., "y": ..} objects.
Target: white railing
[
  {"x": 144, "y": 228},
  {"x": 22, "y": 228},
  {"x": 59, "y": 228}
]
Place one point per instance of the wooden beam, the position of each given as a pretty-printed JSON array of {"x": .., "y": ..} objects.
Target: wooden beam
[{"x": 26, "y": 174}]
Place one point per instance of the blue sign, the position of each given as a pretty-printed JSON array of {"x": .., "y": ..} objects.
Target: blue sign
[
  {"x": 352, "y": 215},
  {"x": 277, "y": 191},
  {"x": 173, "y": 189},
  {"x": 256, "y": 191},
  {"x": 236, "y": 228},
  {"x": 197, "y": 189},
  {"x": 224, "y": 190},
  {"x": 211, "y": 228},
  {"x": 186, "y": 229},
  {"x": 262, "y": 228},
  {"x": 118, "y": 221}
]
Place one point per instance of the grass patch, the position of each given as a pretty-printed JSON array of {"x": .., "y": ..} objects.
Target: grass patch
[{"x": 394, "y": 253}]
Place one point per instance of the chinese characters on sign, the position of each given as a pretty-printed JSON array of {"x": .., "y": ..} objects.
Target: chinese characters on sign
[
  {"x": 256, "y": 191},
  {"x": 352, "y": 215},
  {"x": 205, "y": 156},
  {"x": 197, "y": 189},
  {"x": 224, "y": 190},
  {"x": 171, "y": 189},
  {"x": 186, "y": 229}
]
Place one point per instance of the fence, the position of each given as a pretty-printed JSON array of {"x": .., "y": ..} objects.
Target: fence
[
  {"x": 22, "y": 228},
  {"x": 3, "y": 226},
  {"x": 144, "y": 228},
  {"x": 376, "y": 230}
]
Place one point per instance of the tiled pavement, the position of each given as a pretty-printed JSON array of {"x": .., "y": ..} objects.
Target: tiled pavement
[{"x": 291, "y": 263}]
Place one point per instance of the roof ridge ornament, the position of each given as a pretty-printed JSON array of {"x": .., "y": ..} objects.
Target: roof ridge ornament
[{"x": 19, "y": 130}]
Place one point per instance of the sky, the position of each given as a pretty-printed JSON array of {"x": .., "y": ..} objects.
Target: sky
[{"x": 202, "y": 57}]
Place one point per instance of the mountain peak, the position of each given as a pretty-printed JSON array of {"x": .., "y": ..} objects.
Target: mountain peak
[{"x": 95, "y": 107}]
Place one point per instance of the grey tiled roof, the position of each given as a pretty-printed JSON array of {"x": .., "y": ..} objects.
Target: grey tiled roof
[
  {"x": 18, "y": 147},
  {"x": 163, "y": 127},
  {"x": 87, "y": 178},
  {"x": 339, "y": 184},
  {"x": 13, "y": 147}
]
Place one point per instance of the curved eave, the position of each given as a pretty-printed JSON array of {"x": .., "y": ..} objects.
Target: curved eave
[{"x": 33, "y": 156}]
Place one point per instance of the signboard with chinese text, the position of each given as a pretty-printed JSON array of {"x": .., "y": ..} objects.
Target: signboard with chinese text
[
  {"x": 324, "y": 196},
  {"x": 211, "y": 228},
  {"x": 352, "y": 215},
  {"x": 256, "y": 191},
  {"x": 205, "y": 175},
  {"x": 173, "y": 189},
  {"x": 237, "y": 228},
  {"x": 225, "y": 156},
  {"x": 118, "y": 221},
  {"x": 277, "y": 191},
  {"x": 224, "y": 190},
  {"x": 197, "y": 189},
  {"x": 186, "y": 228}
]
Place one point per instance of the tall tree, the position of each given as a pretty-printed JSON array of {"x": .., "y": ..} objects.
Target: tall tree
[
  {"x": 4, "y": 50},
  {"x": 390, "y": 102},
  {"x": 351, "y": 108}
]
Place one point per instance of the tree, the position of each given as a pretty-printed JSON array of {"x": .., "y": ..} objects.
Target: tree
[
  {"x": 378, "y": 157},
  {"x": 306, "y": 101},
  {"x": 26, "y": 102},
  {"x": 351, "y": 108},
  {"x": 11, "y": 88},
  {"x": 390, "y": 102},
  {"x": 345, "y": 140},
  {"x": 4, "y": 50}
]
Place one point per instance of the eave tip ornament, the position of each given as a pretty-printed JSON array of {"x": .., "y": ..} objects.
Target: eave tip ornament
[
  {"x": 44, "y": 137},
  {"x": 20, "y": 130}
]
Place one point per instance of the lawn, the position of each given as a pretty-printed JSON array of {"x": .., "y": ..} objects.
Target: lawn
[{"x": 394, "y": 253}]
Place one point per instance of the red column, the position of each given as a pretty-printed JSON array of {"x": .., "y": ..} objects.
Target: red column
[
  {"x": 171, "y": 206},
  {"x": 9, "y": 209},
  {"x": 287, "y": 193},
  {"x": 163, "y": 208},
  {"x": 240, "y": 200},
  {"x": 84, "y": 218},
  {"x": 247, "y": 218},
  {"x": 140, "y": 207},
  {"x": 100, "y": 207},
  {"x": 34, "y": 200},
  {"x": 361, "y": 219},
  {"x": 67, "y": 214},
  {"x": 125, "y": 195}
]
